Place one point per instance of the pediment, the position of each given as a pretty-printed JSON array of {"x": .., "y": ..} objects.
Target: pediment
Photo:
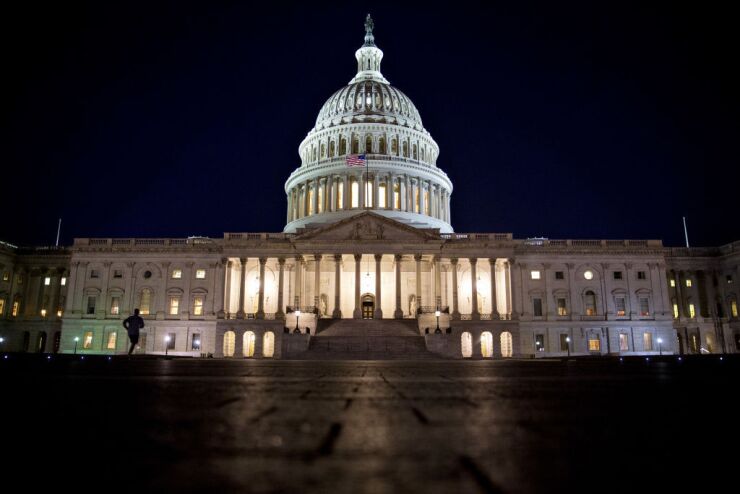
[{"x": 368, "y": 226}]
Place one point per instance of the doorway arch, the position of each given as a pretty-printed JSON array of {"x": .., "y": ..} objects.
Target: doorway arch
[
  {"x": 486, "y": 344},
  {"x": 466, "y": 344},
  {"x": 229, "y": 343},
  {"x": 368, "y": 305},
  {"x": 248, "y": 344},
  {"x": 507, "y": 346}
]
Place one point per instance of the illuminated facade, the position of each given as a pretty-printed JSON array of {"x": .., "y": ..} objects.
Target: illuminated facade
[{"x": 369, "y": 266}]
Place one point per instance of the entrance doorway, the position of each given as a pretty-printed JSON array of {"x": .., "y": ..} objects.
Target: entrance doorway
[{"x": 368, "y": 306}]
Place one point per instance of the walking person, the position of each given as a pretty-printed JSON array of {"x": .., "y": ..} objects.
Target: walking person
[{"x": 133, "y": 324}]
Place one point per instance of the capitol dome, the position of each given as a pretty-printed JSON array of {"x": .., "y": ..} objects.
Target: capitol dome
[{"x": 368, "y": 151}]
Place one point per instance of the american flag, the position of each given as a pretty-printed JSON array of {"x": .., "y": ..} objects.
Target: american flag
[{"x": 356, "y": 160}]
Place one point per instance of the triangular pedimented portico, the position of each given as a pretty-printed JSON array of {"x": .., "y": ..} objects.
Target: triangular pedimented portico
[{"x": 370, "y": 227}]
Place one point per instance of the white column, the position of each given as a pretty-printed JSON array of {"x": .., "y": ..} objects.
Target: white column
[
  {"x": 261, "y": 294},
  {"x": 337, "y": 313},
  {"x": 378, "y": 313},
  {"x": 475, "y": 315},
  {"x": 417, "y": 258},
  {"x": 240, "y": 312},
  {"x": 317, "y": 280},
  {"x": 227, "y": 288},
  {"x": 346, "y": 192},
  {"x": 494, "y": 305},
  {"x": 298, "y": 281},
  {"x": 455, "y": 311},
  {"x": 437, "y": 283},
  {"x": 398, "y": 314},
  {"x": 281, "y": 265},
  {"x": 357, "y": 314}
]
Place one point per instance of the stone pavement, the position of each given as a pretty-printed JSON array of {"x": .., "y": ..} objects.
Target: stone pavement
[{"x": 156, "y": 425}]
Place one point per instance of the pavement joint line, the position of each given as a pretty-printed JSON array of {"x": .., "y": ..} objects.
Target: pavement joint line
[
  {"x": 263, "y": 414},
  {"x": 481, "y": 478}
]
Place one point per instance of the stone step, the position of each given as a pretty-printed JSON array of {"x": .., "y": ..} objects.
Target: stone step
[
  {"x": 366, "y": 348},
  {"x": 367, "y": 327}
]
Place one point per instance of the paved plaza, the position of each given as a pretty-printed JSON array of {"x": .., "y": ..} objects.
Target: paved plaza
[{"x": 185, "y": 425}]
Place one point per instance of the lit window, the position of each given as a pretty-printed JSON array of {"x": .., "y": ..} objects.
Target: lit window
[
  {"x": 47, "y": 281},
  {"x": 624, "y": 344},
  {"x": 537, "y": 303},
  {"x": 115, "y": 305},
  {"x": 562, "y": 310},
  {"x": 174, "y": 305},
  {"x": 111, "y": 345},
  {"x": 64, "y": 280},
  {"x": 15, "y": 309},
  {"x": 588, "y": 275},
  {"x": 692, "y": 311},
  {"x": 176, "y": 274},
  {"x": 200, "y": 274},
  {"x": 688, "y": 283},
  {"x": 590, "y": 303},
  {"x": 733, "y": 308},
  {"x": 620, "y": 306},
  {"x": 673, "y": 283},
  {"x": 354, "y": 194},
  {"x": 320, "y": 201},
  {"x": 535, "y": 275},
  {"x": 268, "y": 344},
  {"x": 675, "y": 311},
  {"x": 59, "y": 313},
  {"x": 369, "y": 194},
  {"x": 647, "y": 342},
  {"x": 6, "y": 276},
  {"x": 564, "y": 342},
  {"x": 644, "y": 306},
  {"x": 2, "y": 306},
  {"x": 396, "y": 196},
  {"x": 145, "y": 301},
  {"x": 486, "y": 344},
  {"x": 729, "y": 278},
  {"x": 382, "y": 190},
  {"x": 340, "y": 195},
  {"x": 87, "y": 341},
  {"x": 539, "y": 343},
  {"x": 170, "y": 341},
  {"x": 198, "y": 306},
  {"x": 594, "y": 344},
  {"x": 195, "y": 342}
]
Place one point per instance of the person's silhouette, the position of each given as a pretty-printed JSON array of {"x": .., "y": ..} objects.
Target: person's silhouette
[{"x": 133, "y": 324}]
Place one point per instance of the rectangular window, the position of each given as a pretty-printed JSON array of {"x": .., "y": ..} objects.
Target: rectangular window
[
  {"x": 94, "y": 273},
  {"x": 537, "y": 302},
  {"x": 6, "y": 276},
  {"x": 117, "y": 273},
  {"x": 354, "y": 194},
  {"x": 195, "y": 342},
  {"x": 171, "y": 341},
  {"x": 559, "y": 275},
  {"x": 64, "y": 280},
  {"x": 675, "y": 311},
  {"x": 174, "y": 306},
  {"x": 644, "y": 306},
  {"x": 535, "y": 275},
  {"x": 2, "y": 307},
  {"x": 200, "y": 274},
  {"x": 564, "y": 342},
  {"x": 688, "y": 283},
  {"x": 16, "y": 308},
  {"x": 91, "y": 305},
  {"x": 340, "y": 195},
  {"x": 111, "y": 345},
  {"x": 416, "y": 200},
  {"x": 729, "y": 278},
  {"x": 381, "y": 195},
  {"x": 647, "y": 342},
  {"x": 673, "y": 283},
  {"x": 733, "y": 308},
  {"x": 47, "y": 281},
  {"x": 396, "y": 196},
  {"x": 198, "y": 306},
  {"x": 624, "y": 344},
  {"x": 19, "y": 279},
  {"x": 562, "y": 309},
  {"x": 176, "y": 274},
  {"x": 620, "y": 306},
  {"x": 594, "y": 344},
  {"x": 539, "y": 343},
  {"x": 641, "y": 275},
  {"x": 87, "y": 340},
  {"x": 617, "y": 275},
  {"x": 115, "y": 305},
  {"x": 692, "y": 311}
]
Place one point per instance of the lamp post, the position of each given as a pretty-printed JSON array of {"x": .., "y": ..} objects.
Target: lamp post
[
  {"x": 660, "y": 346},
  {"x": 567, "y": 344},
  {"x": 166, "y": 344},
  {"x": 297, "y": 316},
  {"x": 436, "y": 313},
  {"x": 77, "y": 338}
]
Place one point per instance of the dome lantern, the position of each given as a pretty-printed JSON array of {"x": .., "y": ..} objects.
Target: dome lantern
[{"x": 369, "y": 57}]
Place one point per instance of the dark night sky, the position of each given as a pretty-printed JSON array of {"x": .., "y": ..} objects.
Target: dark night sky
[{"x": 561, "y": 120}]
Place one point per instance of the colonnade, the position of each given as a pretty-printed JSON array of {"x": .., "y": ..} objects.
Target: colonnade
[
  {"x": 300, "y": 273},
  {"x": 375, "y": 191}
]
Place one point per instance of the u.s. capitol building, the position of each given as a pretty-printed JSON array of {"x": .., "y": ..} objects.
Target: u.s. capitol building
[{"x": 368, "y": 266}]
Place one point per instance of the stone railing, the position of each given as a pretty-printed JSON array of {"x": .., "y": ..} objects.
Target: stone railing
[
  {"x": 142, "y": 242},
  {"x": 264, "y": 237},
  {"x": 600, "y": 244},
  {"x": 497, "y": 237}
]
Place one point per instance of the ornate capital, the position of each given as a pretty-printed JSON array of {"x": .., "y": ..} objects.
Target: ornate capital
[
  {"x": 473, "y": 261},
  {"x": 453, "y": 261},
  {"x": 417, "y": 257},
  {"x": 281, "y": 261},
  {"x": 338, "y": 257},
  {"x": 243, "y": 260},
  {"x": 358, "y": 257},
  {"x": 224, "y": 260},
  {"x": 378, "y": 257},
  {"x": 298, "y": 258},
  {"x": 398, "y": 257},
  {"x": 263, "y": 261},
  {"x": 317, "y": 257}
]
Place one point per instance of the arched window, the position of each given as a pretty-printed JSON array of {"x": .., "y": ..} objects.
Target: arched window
[
  {"x": 368, "y": 144},
  {"x": 331, "y": 149},
  {"x": 423, "y": 149},
  {"x": 394, "y": 147},
  {"x": 589, "y": 303},
  {"x": 340, "y": 195},
  {"x": 405, "y": 149},
  {"x": 229, "y": 341},
  {"x": 486, "y": 344},
  {"x": 382, "y": 188},
  {"x": 507, "y": 347},
  {"x": 268, "y": 344},
  {"x": 313, "y": 153},
  {"x": 381, "y": 145},
  {"x": 323, "y": 150},
  {"x": 355, "y": 146},
  {"x": 466, "y": 344},
  {"x": 396, "y": 195},
  {"x": 415, "y": 153},
  {"x": 145, "y": 302},
  {"x": 342, "y": 146},
  {"x": 320, "y": 203},
  {"x": 248, "y": 344},
  {"x": 354, "y": 193}
]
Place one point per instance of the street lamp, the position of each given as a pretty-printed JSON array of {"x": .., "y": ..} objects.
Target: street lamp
[
  {"x": 77, "y": 338},
  {"x": 660, "y": 345},
  {"x": 436, "y": 313},
  {"x": 166, "y": 344},
  {"x": 297, "y": 315},
  {"x": 567, "y": 344}
]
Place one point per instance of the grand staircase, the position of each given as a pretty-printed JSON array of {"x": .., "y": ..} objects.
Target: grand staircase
[{"x": 366, "y": 339}]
